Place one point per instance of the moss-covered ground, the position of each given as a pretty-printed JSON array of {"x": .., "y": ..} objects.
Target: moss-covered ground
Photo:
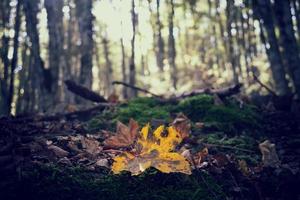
[{"x": 229, "y": 128}]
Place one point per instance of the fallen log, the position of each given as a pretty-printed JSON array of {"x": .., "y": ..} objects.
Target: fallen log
[
  {"x": 68, "y": 116},
  {"x": 84, "y": 92},
  {"x": 222, "y": 92}
]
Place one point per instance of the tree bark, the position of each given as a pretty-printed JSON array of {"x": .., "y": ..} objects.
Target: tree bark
[
  {"x": 132, "y": 70},
  {"x": 160, "y": 53},
  {"x": 288, "y": 41},
  {"x": 230, "y": 18},
  {"x": 85, "y": 23},
  {"x": 124, "y": 74},
  {"x": 5, "y": 11},
  {"x": 172, "y": 48},
  {"x": 262, "y": 9},
  {"x": 108, "y": 67},
  {"x": 56, "y": 42},
  {"x": 14, "y": 60},
  {"x": 41, "y": 77}
]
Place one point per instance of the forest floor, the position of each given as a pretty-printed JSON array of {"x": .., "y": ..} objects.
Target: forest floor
[{"x": 63, "y": 157}]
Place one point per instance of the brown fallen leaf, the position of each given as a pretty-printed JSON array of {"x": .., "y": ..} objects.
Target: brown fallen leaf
[
  {"x": 91, "y": 146},
  {"x": 199, "y": 157},
  {"x": 125, "y": 135},
  {"x": 243, "y": 167},
  {"x": 183, "y": 125},
  {"x": 59, "y": 152},
  {"x": 102, "y": 163},
  {"x": 269, "y": 155}
]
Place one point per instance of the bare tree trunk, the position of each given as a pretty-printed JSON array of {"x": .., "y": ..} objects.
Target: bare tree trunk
[
  {"x": 85, "y": 22},
  {"x": 14, "y": 60},
  {"x": 56, "y": 42},
  {"x": 296, "y": 6},
  {"x": 230, "y": 16},
  {"x": 42, "y": 79},
  {"x": 5, "y": 10},
  {"x": 172, "y": 48},
  {"x": 288, "y": 40},
  {"x": 262, "y": 8},
  {"x": 124, "y": 74},
  {"x": 108, "y": 67},
  {"x": 23, "y": 79},
  {"x": 132, "y": 70},
  {"x": 160, "y": 53}
]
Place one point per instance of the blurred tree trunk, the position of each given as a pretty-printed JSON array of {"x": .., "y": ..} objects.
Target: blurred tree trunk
[
  {"x": 262, "y": 9},
  {"x": 85, "y": 23},
  {"x": 41, "y": 77},
  {"x": 14, "y": 60},
  {"x": 160, "y": 52},
  {"x": 23, "y": 79},
  {"x": 232, "y": 59},
  {"x": 72, "y": 69},
  {"x": 288, "y": 40},
  {"x": 124, "y": 74},
  {"x": 56, "y": 42},
  {"x": 5, "y": 11},
  {"x": 108, "y": 66},
  {"x": 172, "y": 48},
  {"x": 132, "y": 70},
  {"x": 296, "y": 6}
]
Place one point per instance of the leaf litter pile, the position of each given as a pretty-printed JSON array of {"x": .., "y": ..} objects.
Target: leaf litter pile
[{"x": 57, "y": 159}]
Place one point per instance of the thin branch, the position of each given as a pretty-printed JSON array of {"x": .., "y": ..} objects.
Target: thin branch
[
  {"x": 263, "y": 85},
  {"x": 135, "y": 88},
  {"x": 228, "y": 147}
]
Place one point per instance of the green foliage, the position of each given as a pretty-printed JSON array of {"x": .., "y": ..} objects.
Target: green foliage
[
  {"x": 143, "y": 110},
  {"x": 195, "y": 107},
  {"x": 106, "y": 121},
  {"x": 228, "y": 118}
]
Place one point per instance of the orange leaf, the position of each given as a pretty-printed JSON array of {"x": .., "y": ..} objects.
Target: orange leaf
[{"x": 124, "y": 137}]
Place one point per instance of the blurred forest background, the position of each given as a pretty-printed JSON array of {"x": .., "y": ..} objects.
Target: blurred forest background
[{"x": 164, "y": 46}]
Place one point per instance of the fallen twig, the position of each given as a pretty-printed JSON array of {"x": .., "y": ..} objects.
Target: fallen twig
[
  {"x": 136, "y": 88},
  {"x": 228, "y": 147}
]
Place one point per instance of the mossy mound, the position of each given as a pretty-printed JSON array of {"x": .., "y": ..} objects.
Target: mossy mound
[
  {"x": 229, "y": 118},
  {"x": 143, "y": 110},
  {"x": 55, "y": 183}
]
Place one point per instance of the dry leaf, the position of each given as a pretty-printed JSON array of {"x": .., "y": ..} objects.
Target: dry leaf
[
  {"x": 102, "y": 163},
  {"x": 91, "y": 146},
  {"x": 153, "y": 150},
  {"x": 199, "y": 157},
  {"x": 269, "y": 155},
  {"x": 59, "y": 152},
  {"x": 244, "y": 167},
  {"x": 125, "y": 135},
  {"x": 183, "y": 125},
  {"x": 113, "y": 98}
]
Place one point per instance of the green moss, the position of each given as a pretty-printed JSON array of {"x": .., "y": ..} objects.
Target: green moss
[
  {"x": 195, "y": 107},
  {"x": 228, "y": 118},
  {"x": 106, "y": 121},
  {"x": 241, "y": 146},
  {"x": 143, "y": 110},
  {"x": 53, "y": 182}
]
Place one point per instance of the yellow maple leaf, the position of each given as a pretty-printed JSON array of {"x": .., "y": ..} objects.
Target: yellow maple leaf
[{"x": 153, "y": 150}]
